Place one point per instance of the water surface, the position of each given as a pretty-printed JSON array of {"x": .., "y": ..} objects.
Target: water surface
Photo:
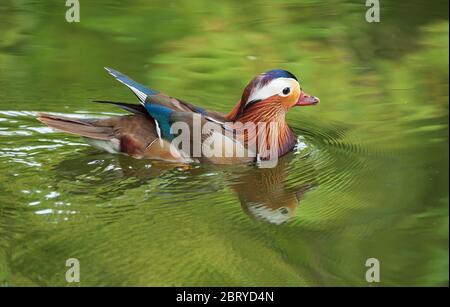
[{"x": 370, "y": 178}]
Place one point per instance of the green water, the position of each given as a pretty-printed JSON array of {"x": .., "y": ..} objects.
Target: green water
[{"x": 371, "y": 173}]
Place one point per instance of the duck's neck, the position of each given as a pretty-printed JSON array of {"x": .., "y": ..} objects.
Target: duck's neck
[{"x": 274, "y": 132}]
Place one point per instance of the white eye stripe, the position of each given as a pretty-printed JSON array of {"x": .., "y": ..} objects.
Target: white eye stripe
[{"x": 274, "y": 87}]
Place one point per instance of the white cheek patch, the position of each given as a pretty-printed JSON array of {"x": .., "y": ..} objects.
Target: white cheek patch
[
  {"x": 274, "y": 87},
  {"x": 274, "y": 216}
]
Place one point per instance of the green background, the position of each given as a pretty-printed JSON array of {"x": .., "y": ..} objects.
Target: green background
[{"x": 375, "y": 149}]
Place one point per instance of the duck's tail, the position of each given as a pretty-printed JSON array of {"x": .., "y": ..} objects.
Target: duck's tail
[{"x": 78, "y": 126}]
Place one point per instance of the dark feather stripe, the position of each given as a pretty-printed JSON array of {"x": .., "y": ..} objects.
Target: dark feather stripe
[{"x": 130, "y": 107}]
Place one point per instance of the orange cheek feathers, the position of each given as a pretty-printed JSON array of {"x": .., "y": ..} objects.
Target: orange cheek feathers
[{"x": 291, "y": 100}]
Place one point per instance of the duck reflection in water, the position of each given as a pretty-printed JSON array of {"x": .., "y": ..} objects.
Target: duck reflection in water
[{"x": 264, "y": 193}]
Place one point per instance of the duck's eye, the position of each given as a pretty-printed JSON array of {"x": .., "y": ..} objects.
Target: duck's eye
[
  {"x": 284, "y": 210},
  {"x": 286, "y": 90}
]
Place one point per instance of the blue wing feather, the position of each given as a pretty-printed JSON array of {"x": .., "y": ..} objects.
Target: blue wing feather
[
  {"x": 138, "y": 89},
  {"x": 160, "y": 113},
  {"x": 163, "y": 117}
]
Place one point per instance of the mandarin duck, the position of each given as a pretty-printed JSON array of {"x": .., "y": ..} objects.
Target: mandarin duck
[{"x": 255, "y": 129}]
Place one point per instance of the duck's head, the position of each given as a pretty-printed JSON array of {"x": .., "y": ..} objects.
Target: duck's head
[{"x": 271, "y": 93}]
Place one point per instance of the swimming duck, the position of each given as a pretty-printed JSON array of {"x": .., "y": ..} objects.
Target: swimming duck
[{"x": 255, "y": 129}]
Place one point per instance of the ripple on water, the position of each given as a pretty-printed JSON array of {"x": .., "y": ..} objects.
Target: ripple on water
[{"x": 325, "y": 160}]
